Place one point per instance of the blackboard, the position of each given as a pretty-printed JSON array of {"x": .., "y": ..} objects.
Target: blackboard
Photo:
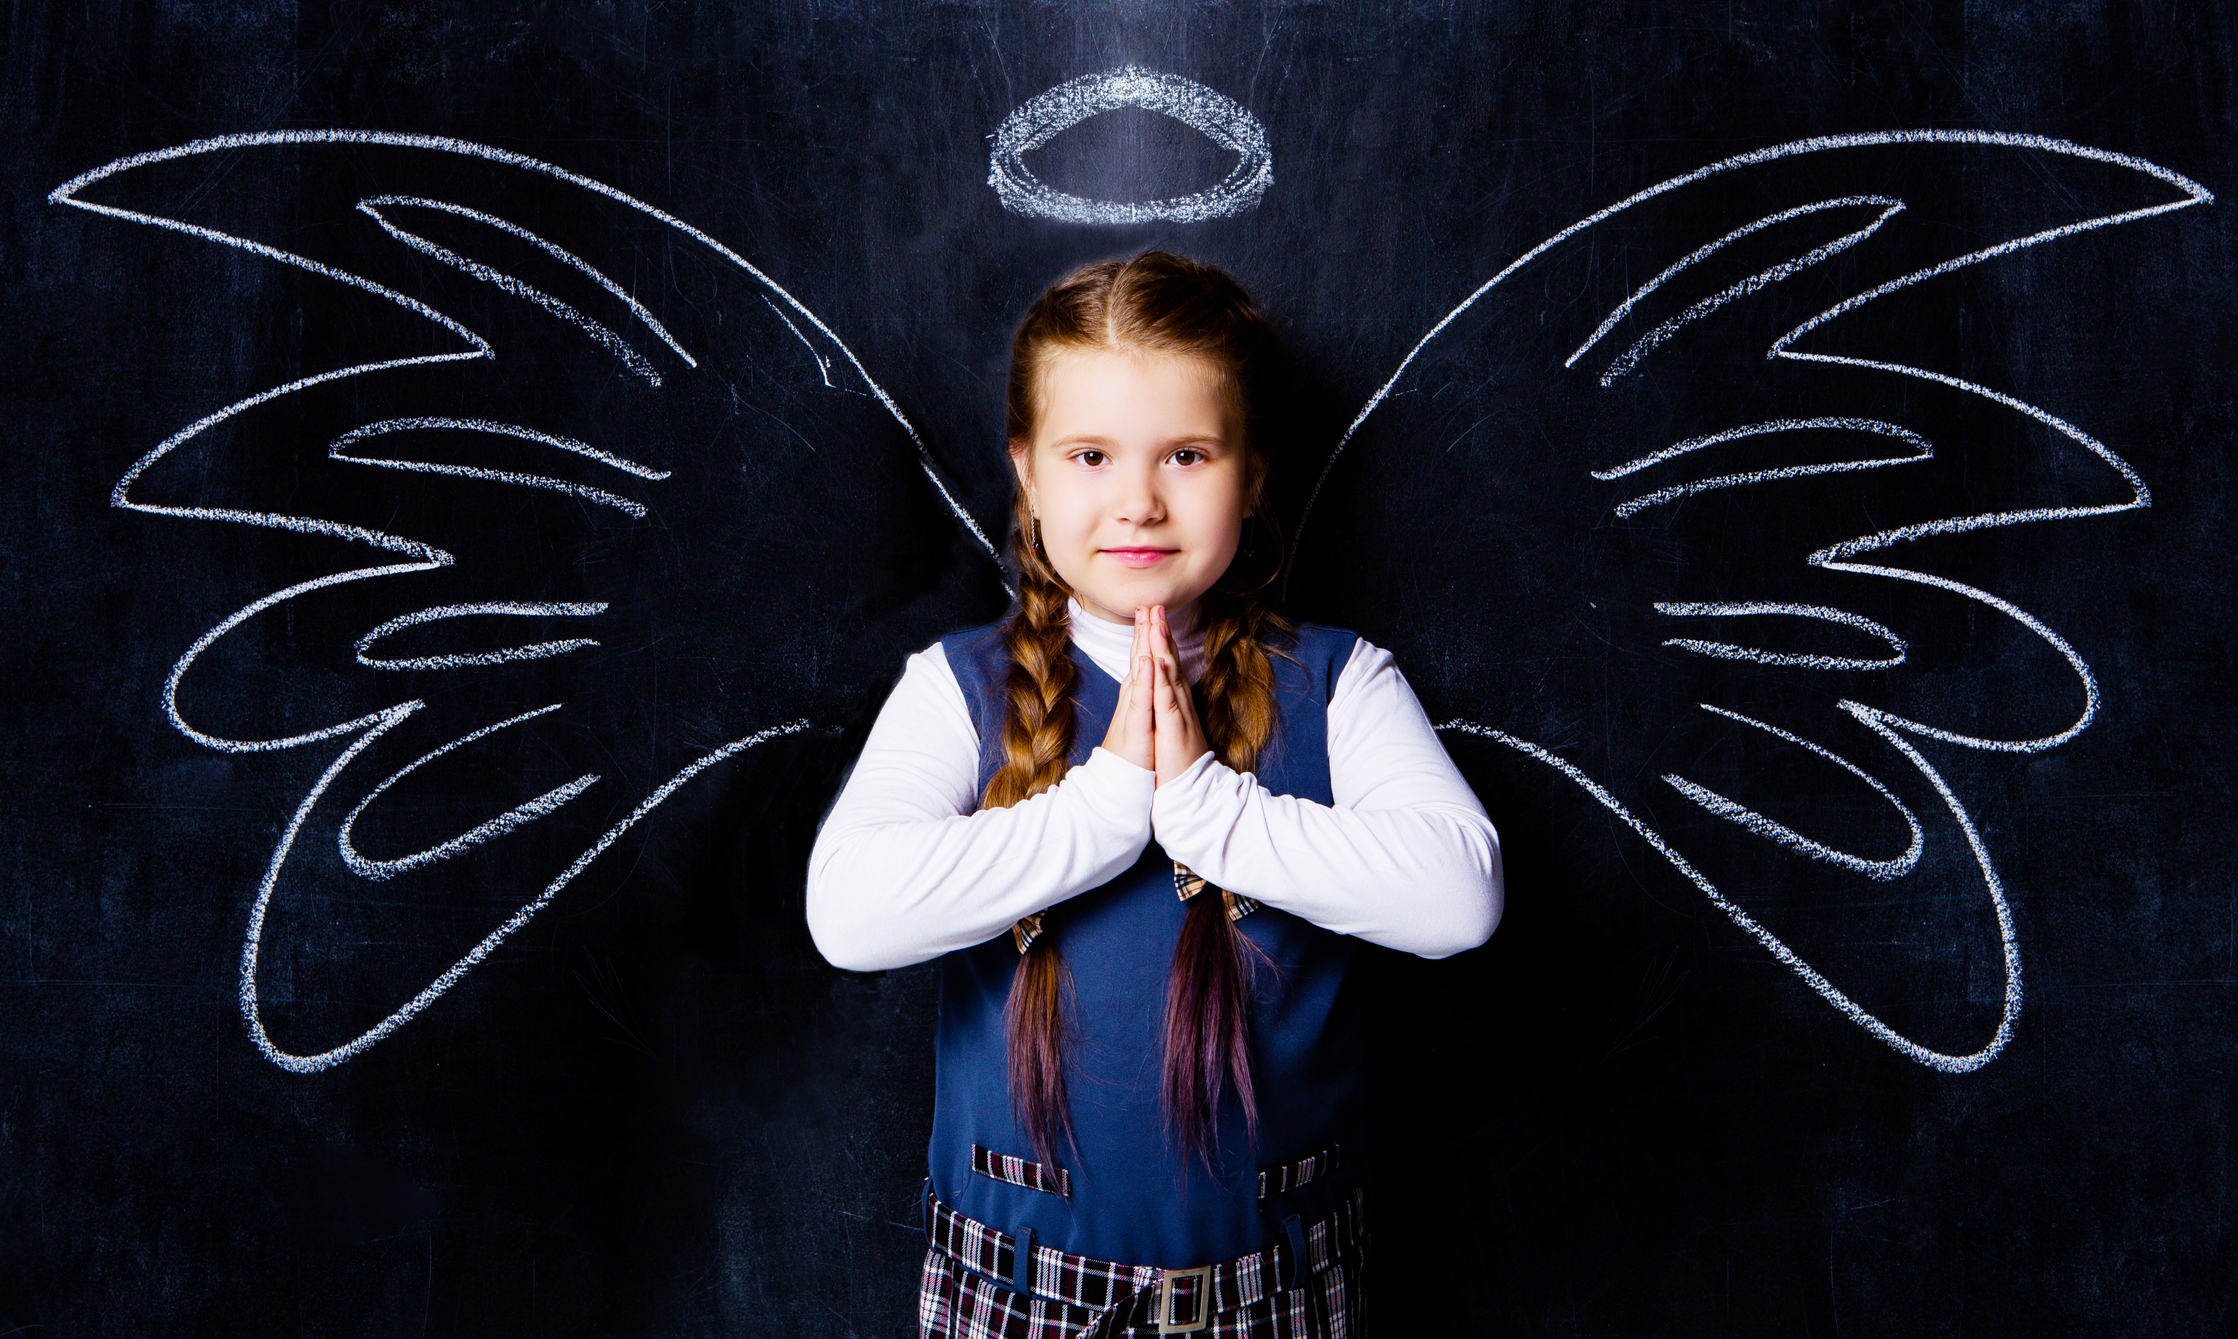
[{"x": 1810, "y": 514}]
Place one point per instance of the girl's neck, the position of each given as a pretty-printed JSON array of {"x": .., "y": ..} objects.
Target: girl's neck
[{"x": 1108, "y": 643}]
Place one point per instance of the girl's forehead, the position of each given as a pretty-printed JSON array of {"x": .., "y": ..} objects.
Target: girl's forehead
[
  {"x": 1102, "y": 391},
  {"x": 1135, "y": 355}
]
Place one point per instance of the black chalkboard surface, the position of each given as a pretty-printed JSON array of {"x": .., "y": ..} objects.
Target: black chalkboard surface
[{"x": 479, "y": 470}]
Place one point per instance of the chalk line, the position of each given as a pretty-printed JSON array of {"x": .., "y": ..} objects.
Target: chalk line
[
  {"x": 1217, "y": 117},
  {"x": 2194, "y": 193},
  {"x": 599, "y": 334},
  {"x": 339, "y": 450},
  {"x": 423, "y": 556},
  {"x": 1774, "y": 831},
  {"x": 1728, "y": 651},
  {"x": 1922, "y": 449},
  {"x": 327, "y": 1059},
  {"x": 823, "y": 364},
  {"x": 245, "y": 613},
  {"x": 1630, "y": 358},
  {"x": 68, "y": 194},
  {"x": 1891, "y": 207},
  {"x": 532, "y": 651},
  {"x": 1946, "y": 1062},
  {"x": 560, "y": 254},
  {"x": 497, "y": 827},
  {"x": 1841, "y": 556}
]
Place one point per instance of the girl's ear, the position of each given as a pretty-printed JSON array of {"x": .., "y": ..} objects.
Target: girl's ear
[{"x": 1022, "y": 462}]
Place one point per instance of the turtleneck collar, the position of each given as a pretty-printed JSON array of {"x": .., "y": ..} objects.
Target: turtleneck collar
[{"x": 1107, "y": 643}]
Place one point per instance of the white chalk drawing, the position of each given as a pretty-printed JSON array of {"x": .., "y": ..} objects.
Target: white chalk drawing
[
  {"x": 1630, "y": 358},
  {"x": 1857, "y": 1013},
  {"x": 532, "y": 651},
  {"x": 1786, "y": 836},
  {"x": 354, "y": 448},
  {"x": 496, "y": 827},
  {"x": 1922, "y": 449},
  {"x": 1219, "y": 118},
  {"x": 1810, "y": 660},
  {"x": 2192, "y": 192},
  {"x": 404, "y": 1013},
  {"x": 340, "y": 451},
  {"x": 603, "y": 337},
  {"x": 823, "y": 364},
  {"x": 1896, "y": 731},
  {"x": 1234, "y": 128},
  {"x": 71, "y": 193}
]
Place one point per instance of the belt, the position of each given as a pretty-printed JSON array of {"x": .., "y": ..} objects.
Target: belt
[{"x": 1180, "y": 1301}]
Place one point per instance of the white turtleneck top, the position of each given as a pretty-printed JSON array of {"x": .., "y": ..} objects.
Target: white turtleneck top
[{"x": 907, "y": 865}]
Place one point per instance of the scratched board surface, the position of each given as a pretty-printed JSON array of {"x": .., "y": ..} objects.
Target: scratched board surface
[{"x": 478, "y": 471}]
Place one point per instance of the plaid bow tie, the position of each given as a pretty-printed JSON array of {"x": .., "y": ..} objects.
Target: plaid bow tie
[{"x": 1187, "y": 883}]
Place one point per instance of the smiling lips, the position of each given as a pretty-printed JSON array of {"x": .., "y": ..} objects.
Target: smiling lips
[{"x": 1139, "y": 557}]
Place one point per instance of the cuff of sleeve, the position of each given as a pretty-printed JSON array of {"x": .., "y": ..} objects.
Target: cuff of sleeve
[
  {"x": 1116, "y": 789},
  {"x": 1192, "y": 815}
]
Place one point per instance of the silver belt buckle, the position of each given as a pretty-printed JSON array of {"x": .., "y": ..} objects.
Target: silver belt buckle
[{"x": 1166, "y": 1323}]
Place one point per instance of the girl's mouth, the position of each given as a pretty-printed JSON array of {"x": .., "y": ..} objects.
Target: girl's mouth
[{"x": 1140, "y": 557}]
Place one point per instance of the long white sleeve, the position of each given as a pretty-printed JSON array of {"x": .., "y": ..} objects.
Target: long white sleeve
[
  {"x": 908, "y": 867},
  {"x": 1406, "y": 858}
]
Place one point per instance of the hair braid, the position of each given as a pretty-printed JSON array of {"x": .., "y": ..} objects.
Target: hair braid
[
  {"x": 1207, "y": 1016},
  {"x": 1038, "y": 728},
  {"x": 1237, "y": 684},
  {"x": 1037, "y": 737}
]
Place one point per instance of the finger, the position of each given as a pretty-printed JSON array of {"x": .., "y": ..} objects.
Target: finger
[
  {"x": 1162, "y": 640},
  {"x": 1183, "y": 709},
  {"x": 1146, "y": 719}
]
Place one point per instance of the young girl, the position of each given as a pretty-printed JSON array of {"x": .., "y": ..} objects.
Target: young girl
[{"x": 1146, "y": 820}]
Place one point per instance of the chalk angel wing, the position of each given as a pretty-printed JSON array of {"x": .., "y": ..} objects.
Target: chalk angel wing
[
  {"x": 542, "y": 502},
  {"x": 1733, "y": 540}
]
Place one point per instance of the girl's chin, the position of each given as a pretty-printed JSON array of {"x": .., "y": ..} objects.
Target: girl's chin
[{"x": 1119, "y": 605}]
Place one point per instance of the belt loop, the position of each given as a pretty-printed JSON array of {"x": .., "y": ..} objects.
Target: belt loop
[
  {"x": 1294, "y": 1270},
  {"x": 1022, "y": 1262}
]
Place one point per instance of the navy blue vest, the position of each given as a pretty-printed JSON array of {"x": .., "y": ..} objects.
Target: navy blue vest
[{"x": 1128, "y": 1193}]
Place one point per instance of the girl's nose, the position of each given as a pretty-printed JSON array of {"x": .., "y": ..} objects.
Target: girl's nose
[{"x": 1138, "y": 501}]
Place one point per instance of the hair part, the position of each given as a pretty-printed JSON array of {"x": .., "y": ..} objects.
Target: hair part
[{"x": 1155, "y": 302}]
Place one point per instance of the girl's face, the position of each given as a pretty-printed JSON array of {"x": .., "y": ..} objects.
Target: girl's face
[{"x": 1140, "y": 477}]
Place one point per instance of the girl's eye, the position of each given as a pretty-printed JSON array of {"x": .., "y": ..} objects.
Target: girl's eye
[
  {"x": 1090, "y": 458},
  {"x": 1187, "y": 455}
]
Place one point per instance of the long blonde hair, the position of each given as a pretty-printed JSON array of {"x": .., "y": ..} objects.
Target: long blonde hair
[{"x": 1163, "y": 303}]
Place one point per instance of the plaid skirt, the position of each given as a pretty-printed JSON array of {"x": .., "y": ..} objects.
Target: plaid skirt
[{"x": 1078, "y": 1298}]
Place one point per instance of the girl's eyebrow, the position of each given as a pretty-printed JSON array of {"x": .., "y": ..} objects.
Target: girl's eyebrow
[{"x": 1106, "y": 444}]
